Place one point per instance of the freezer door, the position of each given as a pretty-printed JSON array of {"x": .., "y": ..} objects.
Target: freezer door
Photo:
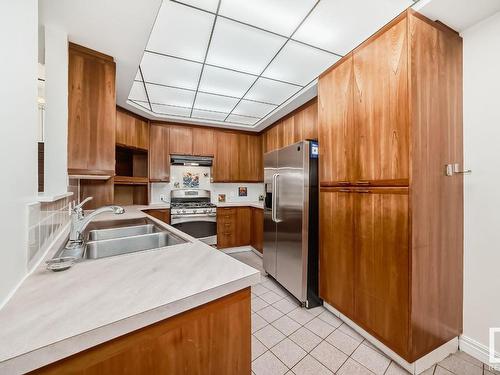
[
  {"x": 269, "y": 252},
  {"x": 291, "y": 215}
]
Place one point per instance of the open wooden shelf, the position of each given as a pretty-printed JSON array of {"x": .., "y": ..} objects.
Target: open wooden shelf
[{"x": 130, "y": 180}]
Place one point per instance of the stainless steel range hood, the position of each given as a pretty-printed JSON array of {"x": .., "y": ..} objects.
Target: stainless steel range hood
[{"x": 202, "y": 161}]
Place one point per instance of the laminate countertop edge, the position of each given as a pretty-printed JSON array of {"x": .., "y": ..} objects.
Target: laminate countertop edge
[{"x": 55, "y": 315}]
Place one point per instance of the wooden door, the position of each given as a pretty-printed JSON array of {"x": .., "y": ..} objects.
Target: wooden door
[
  {"x": 381, "y": 109},
  {"x": 243, "y": 226},
  {"x": 181, "y": 140},
  {"x": 159, "y": 156},
  {"x": 250, "y": 158},
  {"x": 336, "y": 250},
  {"x": 257, "y": 237},
  {"x": 381, "y": 272},
  {"x": 203, "y": 142},
  {"x": 226, "y": 163},
  {"x": 91, "y": 112},
  {"x": 336, "y": 127}
]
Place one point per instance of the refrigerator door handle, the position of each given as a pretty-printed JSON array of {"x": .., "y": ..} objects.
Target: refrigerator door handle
[
  {"x": 273, "y": 203},
  {"x": 276, "y": 200}
]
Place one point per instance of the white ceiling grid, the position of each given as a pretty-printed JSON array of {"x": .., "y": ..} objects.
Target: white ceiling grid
[{"x": 235, "y": 62}]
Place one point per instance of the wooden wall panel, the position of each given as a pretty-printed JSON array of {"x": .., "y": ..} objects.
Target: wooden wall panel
[
  {"x": 213, "y": 339},
  {"x": 380, "y": 107},
  {"x": 336, "y": 126},
  {"x": 437, "y": 200}
]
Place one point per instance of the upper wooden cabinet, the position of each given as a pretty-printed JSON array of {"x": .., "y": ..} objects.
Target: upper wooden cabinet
[
  {"x": 181, "y": 140},
  {"x": 400, "y": 90},
  {"x": 159, "y": 157},
  {"x": 250, "y": 158},
  {"x": 203, "y": 142},
  {"x": 300, "y": 125},
  {"x": 226, "y": 161},
  {"x": 91, "y": 112},
  {"x": 336, "y": 130},
  {"x": 131, "y": 130}
]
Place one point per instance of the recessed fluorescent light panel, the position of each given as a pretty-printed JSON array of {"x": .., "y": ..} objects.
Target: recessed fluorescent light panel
[{"x": 235, "y": 62}]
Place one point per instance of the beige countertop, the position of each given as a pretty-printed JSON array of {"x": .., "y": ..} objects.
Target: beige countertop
[
  {"x": 257, "y": 204},
  {"x": 56, "y": 314}
]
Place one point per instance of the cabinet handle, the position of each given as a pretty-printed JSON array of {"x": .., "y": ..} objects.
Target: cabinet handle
[
  {"x": 363, "y": 191},
  {"x": 362, "y": 182},
  {"x": 344, "y": 190}
]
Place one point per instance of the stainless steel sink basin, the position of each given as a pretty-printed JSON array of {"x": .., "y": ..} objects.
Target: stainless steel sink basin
[
  {"x": 126, "y": 245},
  {"x": 136, "y": 230}
]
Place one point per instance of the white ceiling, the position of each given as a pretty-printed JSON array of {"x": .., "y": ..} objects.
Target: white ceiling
[{"x": 240, "y": 63}]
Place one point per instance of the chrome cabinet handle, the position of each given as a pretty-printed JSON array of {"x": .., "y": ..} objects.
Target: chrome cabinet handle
[{"x": 456, "y": 170}]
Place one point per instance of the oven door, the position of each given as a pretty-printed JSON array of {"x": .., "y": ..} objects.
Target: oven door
[{"x": 202, "y": 227}]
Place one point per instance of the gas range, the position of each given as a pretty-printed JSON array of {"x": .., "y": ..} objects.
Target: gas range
[{"x": 190, "y": 208}]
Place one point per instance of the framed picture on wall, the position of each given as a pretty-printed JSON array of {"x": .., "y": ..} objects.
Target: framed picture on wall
[{"x": 242, "y": 191}]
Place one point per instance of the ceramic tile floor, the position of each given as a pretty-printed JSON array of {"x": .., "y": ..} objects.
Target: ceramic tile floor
[{"x": 288, "y": 339}]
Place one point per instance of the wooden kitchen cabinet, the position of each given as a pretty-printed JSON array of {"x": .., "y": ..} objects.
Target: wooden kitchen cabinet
[
  {"x": 212, "y": 339},
  {"x": 226, "y": 161},
  {"x": 203, "y": 142},
  {"x": 405, "y": 244},
  {"x": 234, "y": 225},
  {"x": 91, "y": 112},
  {"x": 271, "y": 138},
  {"x": 159, "y": 156},
  {"x": 181, "y": 140},
  {"x": 306, "y": 123},
  {"x": 243, "y": 226},
  {"x": 286, "y": 131},
  {"x": 336, "y": 127},
  {"x": 131, "y": 130},
  {"x": 250, "y": 158},
  {"x": 337, "y": 252},
  {"x": 162, "y": 214},
  {"x": 257, "y": 230}
]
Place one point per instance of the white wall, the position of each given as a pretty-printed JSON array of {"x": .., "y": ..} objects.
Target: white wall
[
  {"x": 482, "y": 187},
  {"x": 56, "y": 111},
  {"x": 18, "y": 131}
]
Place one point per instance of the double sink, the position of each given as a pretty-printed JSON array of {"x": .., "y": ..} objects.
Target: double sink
[{"x": 116, "y": 237}]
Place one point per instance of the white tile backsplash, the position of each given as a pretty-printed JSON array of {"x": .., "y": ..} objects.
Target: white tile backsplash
[{"x": 159, "y": 189}]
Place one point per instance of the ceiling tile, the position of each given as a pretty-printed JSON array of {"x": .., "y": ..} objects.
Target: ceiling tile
[
  {"x": 167, "y": 95},
  {"x": 340, "y": 25},
  {"x": 242, "y": 119},
  {"x": 214, "y": 102},
  {"x": 225, "y": 82},
  {"x": 170, "y": 71},
  {"x": 289, "y": 64},
  {"x": 171, "y": 110},
  {"x": 181, "y": 31},
  {"x": 241, "y": 47},
  {"x": 137, "y": 92},
  {"x": 209, "y": 115},
  {"x": 279, "y": 16},
  {"x": 269, "y": 91},
  {"x": 209, "y": 5},
  {"x": 254, "y": 109}
]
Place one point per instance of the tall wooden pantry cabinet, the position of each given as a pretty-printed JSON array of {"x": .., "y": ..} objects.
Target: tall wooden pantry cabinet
[{"x": 391, "y": 220}]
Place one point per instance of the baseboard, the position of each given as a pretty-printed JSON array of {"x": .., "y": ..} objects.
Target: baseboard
[
  {"x": 416, "y": 367},
  {"x": 477, "y": 350}
]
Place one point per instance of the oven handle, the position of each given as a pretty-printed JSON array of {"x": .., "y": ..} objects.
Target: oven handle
[{"x": 194, "y": 215}]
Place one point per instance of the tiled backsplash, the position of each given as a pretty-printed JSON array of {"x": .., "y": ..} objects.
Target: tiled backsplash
[{"x": 45, "y": 221}]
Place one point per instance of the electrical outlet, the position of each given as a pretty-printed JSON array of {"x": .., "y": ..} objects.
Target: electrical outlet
[{"x": 163, "y": 197}]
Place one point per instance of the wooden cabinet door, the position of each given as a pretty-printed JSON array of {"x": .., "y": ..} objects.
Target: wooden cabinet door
[
  {"x": 306, "y": 123},
  {"x": 381, "y": 114},
  {"x": 226, "y": 163},
  {"x": 382, "y": 264},
  {"x": 286, "y": 132},
  {"x": 243, "y": 226},
  {"x": 271, "y": 139},
  {"x": 250, "y": 158},
  {"x": 336, "y": 251},
  {"x": 257, "y": 235},
  {"x": 159, "y": 156},
  {"x": 203, "y": 142},
  {"x": 336, "y": 131},
  {"x": 161, "y": 214},
  {"x": 91, "y": 112},
  {"x": 181, "y": 140},
  {"x": 131, "y": 131}
]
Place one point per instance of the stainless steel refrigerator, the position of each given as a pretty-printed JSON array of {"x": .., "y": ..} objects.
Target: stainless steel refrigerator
[{"x": 291, "y": 219}]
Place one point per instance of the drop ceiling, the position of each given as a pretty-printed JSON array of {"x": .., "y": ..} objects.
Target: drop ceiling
[{"x": 236, "y": 63}]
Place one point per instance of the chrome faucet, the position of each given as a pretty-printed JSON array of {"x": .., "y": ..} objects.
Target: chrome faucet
[{"x": 79, "y": 221}]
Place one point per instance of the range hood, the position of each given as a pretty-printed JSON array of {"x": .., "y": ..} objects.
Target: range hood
[{"x": 202, "y": 161}]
